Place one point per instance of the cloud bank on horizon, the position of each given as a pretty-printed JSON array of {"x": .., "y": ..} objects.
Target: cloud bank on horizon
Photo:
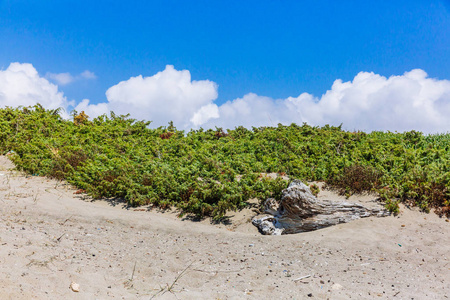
[{"x": 369, "y": 102}]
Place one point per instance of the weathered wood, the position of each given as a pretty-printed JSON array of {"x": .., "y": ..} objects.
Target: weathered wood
[{"x": 299, "y": 211}]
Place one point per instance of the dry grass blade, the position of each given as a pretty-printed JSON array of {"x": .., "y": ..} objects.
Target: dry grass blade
[{"x": 168, "y": 288}]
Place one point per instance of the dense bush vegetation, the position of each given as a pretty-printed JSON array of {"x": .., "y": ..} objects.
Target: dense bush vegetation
[{"x": 207, "y": 172}]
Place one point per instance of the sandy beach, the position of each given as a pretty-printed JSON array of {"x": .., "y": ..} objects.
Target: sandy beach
[{"x": 54, "y": 241}]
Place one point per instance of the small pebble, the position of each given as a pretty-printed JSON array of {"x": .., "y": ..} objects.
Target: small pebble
[
  {"x": 336, "y": 286},
  {"x": 75, "y": 287}
]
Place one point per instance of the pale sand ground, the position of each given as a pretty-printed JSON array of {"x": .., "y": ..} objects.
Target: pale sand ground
[{"x": 51, "y": 237}]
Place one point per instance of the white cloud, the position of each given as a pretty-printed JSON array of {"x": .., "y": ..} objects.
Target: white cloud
[
  {"x": 20, "y": 84},
  {"x": 66, "y": 78},
  {"x": 61, "y": 78},
  {"x": 412, "y": 101},
  {"x": 88, "y": 75},
  {"x": 251, "y": 110},
  {"x": 169, "y": 95},
  {"x": 92, "y": 110},
  {"x": 205, "y": 113},
  {"x": 165, "y": 96}
]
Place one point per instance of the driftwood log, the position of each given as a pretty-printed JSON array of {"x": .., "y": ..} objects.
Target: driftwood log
[{"x": 300, "y": 211}]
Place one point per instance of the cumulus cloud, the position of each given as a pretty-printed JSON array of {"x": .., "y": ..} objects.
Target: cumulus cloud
[
  {"x": 250, "y": 110},
  {"x": 169, "y": 95},
  {"x": 20, "y": 84},
  {"x": 411, "y": 101},
  {"x": 373, "y": 102},
  {"x": 66, "y": 78}
]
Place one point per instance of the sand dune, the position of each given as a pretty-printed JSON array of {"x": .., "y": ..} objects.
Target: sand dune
[{"x": 51, "y": 237}]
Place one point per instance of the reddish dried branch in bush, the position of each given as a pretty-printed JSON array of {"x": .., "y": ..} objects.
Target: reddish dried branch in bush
[
  {"x": 220, "y": 133},
  {"x": 356, "y": 179},
  {"x": 166, "y": 135}
]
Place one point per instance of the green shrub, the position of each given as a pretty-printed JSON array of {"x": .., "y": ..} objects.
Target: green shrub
[{"x": 209, "y": 172}]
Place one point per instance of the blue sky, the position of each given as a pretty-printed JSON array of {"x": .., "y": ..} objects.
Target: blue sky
[{"x": 274, "y": 49}]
